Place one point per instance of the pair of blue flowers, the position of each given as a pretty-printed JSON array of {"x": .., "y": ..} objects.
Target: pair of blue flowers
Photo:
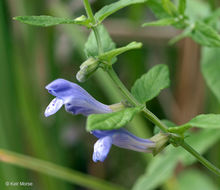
[{"x": 77, "y": 101}]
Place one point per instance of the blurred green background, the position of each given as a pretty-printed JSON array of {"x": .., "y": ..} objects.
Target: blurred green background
[{"x": 31, "y": 57}]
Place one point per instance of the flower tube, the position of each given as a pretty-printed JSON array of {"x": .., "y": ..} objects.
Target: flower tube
[
  {"x": 75, "y": 99},
  {"x": 121, "y": 138}
]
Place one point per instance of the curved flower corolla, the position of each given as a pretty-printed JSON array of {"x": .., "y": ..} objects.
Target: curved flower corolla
[
  {"x": 75, "y": 99},
  {"x": 121, "y": 138}
]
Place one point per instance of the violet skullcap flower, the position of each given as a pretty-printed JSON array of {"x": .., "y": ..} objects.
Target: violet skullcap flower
[
  {"x": 121, "y": 138},
  {"x": 75, "y": 99}
]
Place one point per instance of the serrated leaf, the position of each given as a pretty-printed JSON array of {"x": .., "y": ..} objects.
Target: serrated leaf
[
  {"x": 195, "y": 179},
  {"x": 108, "y": 56},
  {"x": 161, "y": 22},
  {"x": 182, "y": 6},
  {"x": 112, "y": 8},
  {"x": 91, "y": 48},
  {"x": 208, "y": 121},
  {"x": 150, "y": 84},
  {"x": 45, "y": 20},
  {"x": 211, "y": 69},
  {"x": 205, "y": 35},
  {"x": 161, "y": 168},
  {"x": 109, "y": 121}
]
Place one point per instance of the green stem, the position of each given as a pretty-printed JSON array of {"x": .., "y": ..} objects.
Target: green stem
[
  {"x": 134, "y": 102},
  {"x": 158, "y": 123},
  {"x": 54, "y": 170},
  {"x": 94, "y": 27},
  {"x": 89, "y": 11},
  {"x": 121, "y": 87},
  {"x": 98, "y": 39},
  {"x": 201, "y": 159}
]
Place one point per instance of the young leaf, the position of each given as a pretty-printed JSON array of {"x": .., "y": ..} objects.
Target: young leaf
[
  {"x": 150, "y": 84},
  {"x": 45, "y": 21},
  {"x": 169, "y": 7},
  {"x": 110, "y": 9},
  {"x": 182, "y": 6},
  {"x": 211, "y": 69},
  {"x": 162, "y": 22},
  {"x": 108, "y": 56},
  {"x": 91, "y": 49},
  {"x": 109, "y": 121},
  {"x": 209, "y": 121},
  {"x": 205, "y": 35},
  {"x": 157, "y": 8}
]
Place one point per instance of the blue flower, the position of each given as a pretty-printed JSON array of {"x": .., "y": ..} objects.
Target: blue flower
[
  {"x": 75, "y": 99},
  {"x": 121, "y": 138}
]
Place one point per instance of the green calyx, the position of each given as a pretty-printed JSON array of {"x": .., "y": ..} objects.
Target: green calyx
[{"x": 161, "y": 141}]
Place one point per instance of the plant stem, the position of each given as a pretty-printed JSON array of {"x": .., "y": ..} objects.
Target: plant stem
[
  {"x": 121, "y": 87},
  {"x": 134, "y": 102},
  {"x": 89, "y": 11},
  {"x": 158, "y": 123},
  {"x": 56, "y": 171},
  {"x": 94, "y": 27},
  {"x": 201, "y": 159},
  {"x": 98, "y": 39}
]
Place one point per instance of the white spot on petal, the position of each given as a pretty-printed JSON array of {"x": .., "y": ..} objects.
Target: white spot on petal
[{"x": 53, "y": 107}]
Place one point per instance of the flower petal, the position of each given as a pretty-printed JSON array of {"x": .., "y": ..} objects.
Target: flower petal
[
  {"x": 76, "y": 99},
  {"x": 102, "y": 148},
  {"x": 53, "y": 107},
  {"x": 124, "y": 139}
]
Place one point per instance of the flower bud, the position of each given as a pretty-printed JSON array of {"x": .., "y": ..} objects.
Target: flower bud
[
  {"x": 87, "y": 69},
  {"x": 160, "y": 140}
]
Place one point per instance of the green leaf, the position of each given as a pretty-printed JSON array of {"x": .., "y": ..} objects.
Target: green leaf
[
  {"x": 91, "y": 48},
  {"x": 150, "y": 84},
  {"x": 211, "y": 69},
  {"x": 182, "y": 6},
  {"x": 108, "y": 56},
  {"x": 162, "y": 22},
  {"x": 45, "y": 21},
  {"x": 161, "y": 168},
  {"x": 169, "y": 7},
  {"x": 112, "y": 8},
  {"x": 214, "y": 17},
  {"x": 209, "y": 121},
  {"x": 195, "y": 179},
  {"x": 109, "y": 121},
  {"x": 157, "y": 8},
  {"x": 205, "y": 35}
]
